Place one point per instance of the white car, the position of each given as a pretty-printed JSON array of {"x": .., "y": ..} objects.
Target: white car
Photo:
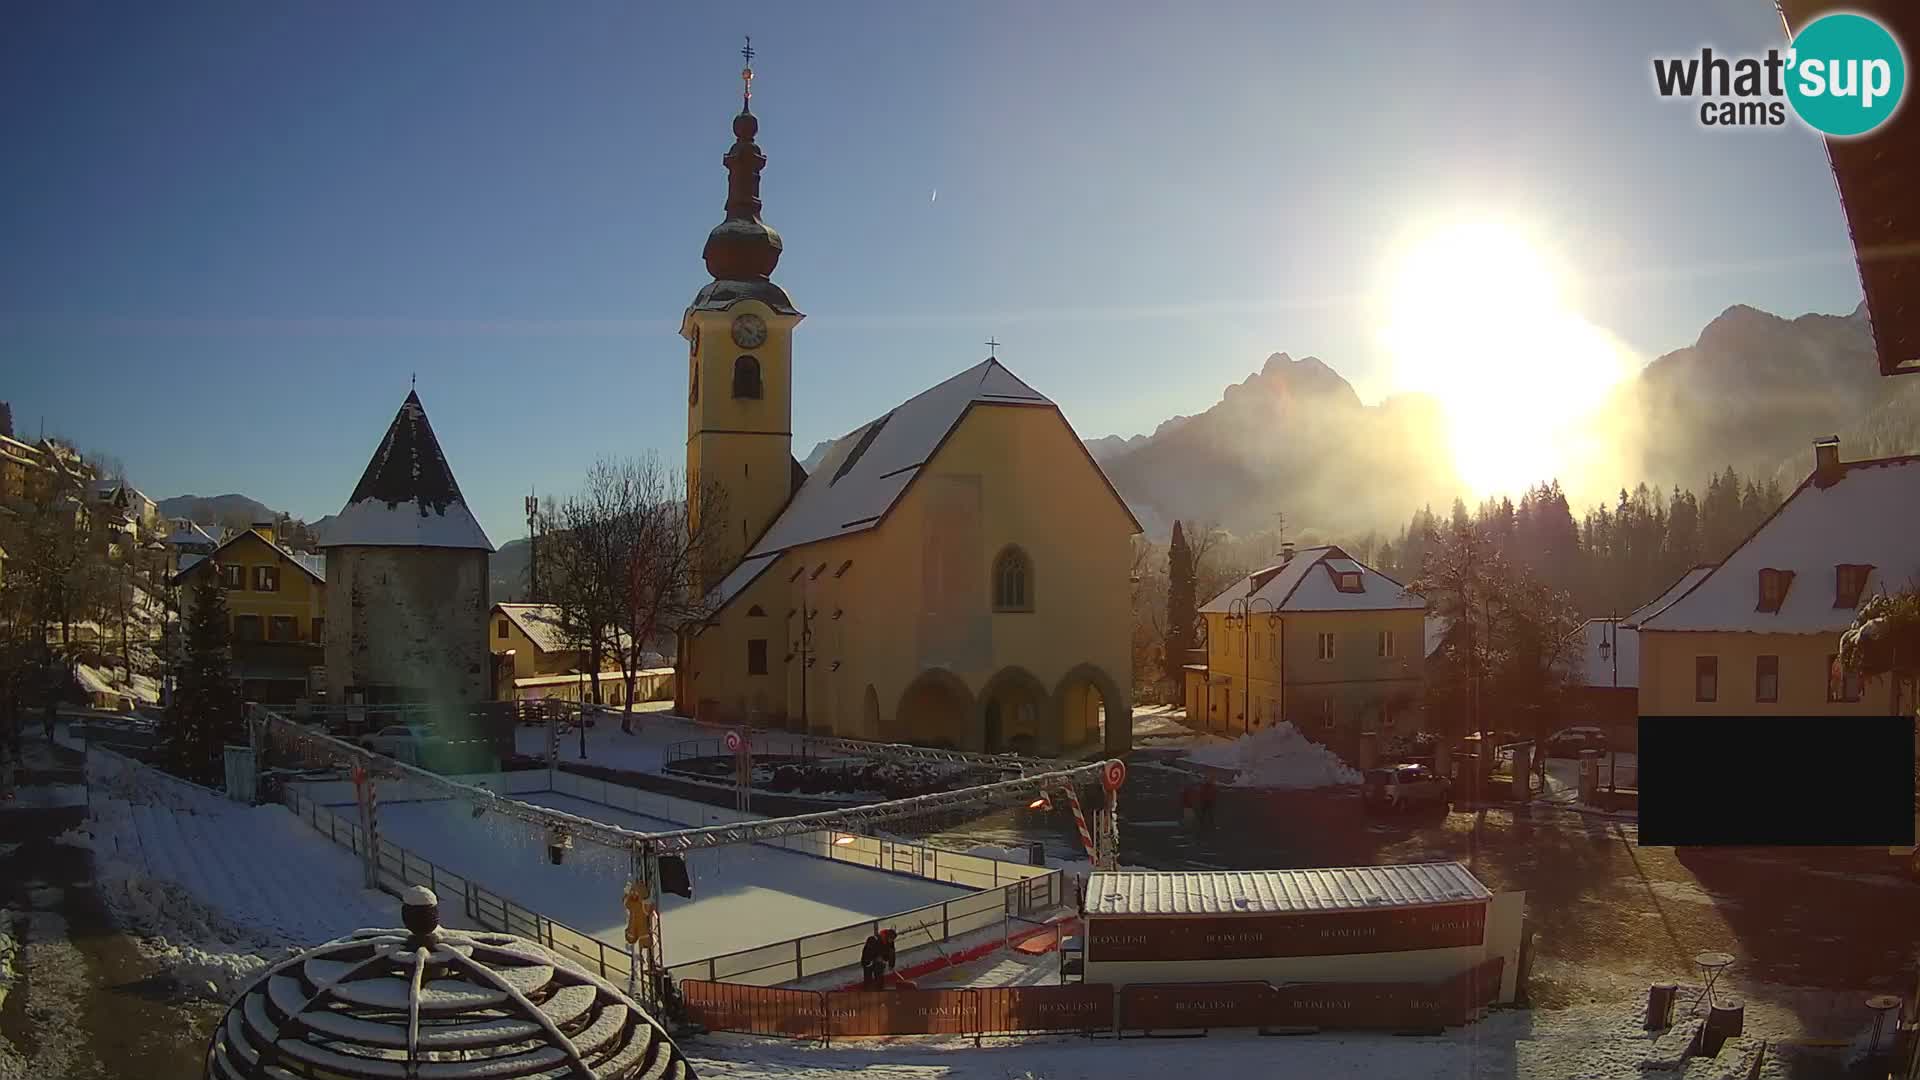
[
  {"x": 1399, "y": 788},
  {"x": 400, "y": 741}
]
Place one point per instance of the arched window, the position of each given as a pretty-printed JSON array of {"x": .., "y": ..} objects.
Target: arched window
[
  {"x": 1012, "y": 581},
  {"x": 746, "y": 377}
]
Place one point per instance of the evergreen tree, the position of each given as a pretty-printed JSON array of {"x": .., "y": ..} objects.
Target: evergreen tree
[
  {"x": 205, "y": 713},
  {"x": 1180, "y": 604}
]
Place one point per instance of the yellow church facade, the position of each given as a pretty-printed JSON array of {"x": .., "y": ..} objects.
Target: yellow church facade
[{"x": 953, "y": 573}]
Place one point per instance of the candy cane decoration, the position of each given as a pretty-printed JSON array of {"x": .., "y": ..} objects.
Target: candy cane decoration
[{"x": 1080, "y": 822}]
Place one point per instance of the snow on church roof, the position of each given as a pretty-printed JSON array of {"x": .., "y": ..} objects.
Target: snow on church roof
[
  {"x": 1674, "y": 592},
  {"x": 864, "y": 473},
  {"x": 1868, "y": 516},
  {"x": 1295, "y": 586},
  {"x": 408, "y": 496}
]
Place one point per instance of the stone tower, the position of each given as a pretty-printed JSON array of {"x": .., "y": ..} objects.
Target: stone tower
[
  {"x": 407, "y": 580},
  {"x": 739, "y": 332}
]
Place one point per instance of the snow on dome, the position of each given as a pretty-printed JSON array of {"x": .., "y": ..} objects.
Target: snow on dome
[
  {"x": 389, "y": 1003},
  {"x": 408, "y": 496},
  {"x": 419, "y": 896}
]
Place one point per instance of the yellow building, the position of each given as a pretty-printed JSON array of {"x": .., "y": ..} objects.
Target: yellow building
[
  {"x": 533, "y": 658},
  {"x": 1321, "y": 640},
  {"x": 277, "y": 601},
  {"x": 1757, "y": 635},
  {"x": 954, "y": 572}
]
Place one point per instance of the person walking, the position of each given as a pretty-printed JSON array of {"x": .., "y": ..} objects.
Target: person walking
[
  {"x": 877, "y": 959},
  {"x": 1209, "y": 796}
]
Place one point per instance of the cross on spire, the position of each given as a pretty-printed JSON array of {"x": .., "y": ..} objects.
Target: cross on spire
[
  {"x": 993, "y": 349},
  {"x": 746, "y": 74}
]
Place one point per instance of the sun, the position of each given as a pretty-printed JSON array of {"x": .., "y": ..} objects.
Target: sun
[{"x": 1478, "y": 317}]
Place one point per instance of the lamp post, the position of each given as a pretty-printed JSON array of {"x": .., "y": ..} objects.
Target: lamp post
[
  {"x": 803, "y": 649},
  {"x": 1240, "y": 612}
]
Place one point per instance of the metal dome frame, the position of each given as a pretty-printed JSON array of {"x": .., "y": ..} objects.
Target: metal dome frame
[{"x": 398, "y": 1005}]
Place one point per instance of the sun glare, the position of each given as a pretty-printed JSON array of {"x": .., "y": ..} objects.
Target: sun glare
[{"x": 1477, "y": 317}]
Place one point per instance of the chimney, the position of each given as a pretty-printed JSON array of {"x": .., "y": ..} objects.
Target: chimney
[
  {"x": 265, "y": 529},
  {"x": 1286, "y": 552},
  {"x": 1826, "y": 461}
]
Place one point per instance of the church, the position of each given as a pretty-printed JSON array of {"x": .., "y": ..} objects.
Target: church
[{"x": 953, "y": 573}]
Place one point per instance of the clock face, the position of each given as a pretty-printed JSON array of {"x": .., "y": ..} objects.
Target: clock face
[{"x": 749, "y": 331}]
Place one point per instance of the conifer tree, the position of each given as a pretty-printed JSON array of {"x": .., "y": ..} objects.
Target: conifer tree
[
  {"x": 205, "y": 712},
  {"x": 1180, "y": 604}
]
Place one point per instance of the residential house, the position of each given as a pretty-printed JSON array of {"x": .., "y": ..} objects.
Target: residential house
[
  {"x": 1319, "y": 639},
  {"x": 277, "y": 601},
  {"x": 128, "y": 504},
  {"x": 1759, "y": 634},
  {"x": 1606, "y": 667},
  {"x": 24, "y": 476},
  {"x": 534, "y": 658}
]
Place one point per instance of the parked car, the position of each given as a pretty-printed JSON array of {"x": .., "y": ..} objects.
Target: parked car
[
  {"x": 1401, "y": 788},
  {"x": 1569, "y": 742},
  {"x": 403, "y": 742}
]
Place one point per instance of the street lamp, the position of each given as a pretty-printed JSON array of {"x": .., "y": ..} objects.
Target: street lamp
[{"x": 1240, "y": 612}]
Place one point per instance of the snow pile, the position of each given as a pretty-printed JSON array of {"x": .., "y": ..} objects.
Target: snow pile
[{"x": 1277, "y": 757}]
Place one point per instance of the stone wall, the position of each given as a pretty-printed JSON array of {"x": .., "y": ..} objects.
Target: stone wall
[{"x": 408, "y": 617}]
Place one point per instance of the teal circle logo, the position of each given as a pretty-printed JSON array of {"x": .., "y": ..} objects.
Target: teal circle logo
[{"x": 1845, "y": 74}]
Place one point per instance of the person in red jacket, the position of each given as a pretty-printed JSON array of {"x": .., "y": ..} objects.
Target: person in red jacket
[{"x": 877, "y": 959}]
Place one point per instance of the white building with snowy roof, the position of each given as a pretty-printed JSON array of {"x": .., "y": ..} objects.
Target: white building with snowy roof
[
  {"x": 1758, "y": 634},
  {"x": 953, "y": 572},
  {"x": 406, "y": 579},
  {"x": 1318, "y": 639}
]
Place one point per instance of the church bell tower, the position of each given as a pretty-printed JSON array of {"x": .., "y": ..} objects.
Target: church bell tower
[{"x": 739, "y": 332}]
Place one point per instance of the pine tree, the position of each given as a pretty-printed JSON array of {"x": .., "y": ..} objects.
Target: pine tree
[
  {"x": 205, "y": 712},
  {"x": 1180, "y": 605}
]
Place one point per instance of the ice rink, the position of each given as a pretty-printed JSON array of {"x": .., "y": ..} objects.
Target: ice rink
[{"x": 744, "y": 896}]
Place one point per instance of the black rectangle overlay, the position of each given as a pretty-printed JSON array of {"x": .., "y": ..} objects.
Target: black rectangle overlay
[{"x": 1772, "y": 781}]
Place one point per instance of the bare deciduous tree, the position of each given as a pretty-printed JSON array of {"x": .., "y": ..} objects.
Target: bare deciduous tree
[{"x": 621, "y": 560}]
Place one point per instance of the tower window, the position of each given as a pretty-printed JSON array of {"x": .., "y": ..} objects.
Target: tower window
[
  {"x": 500, "y": 630},
  {"x": 746, "y": 377},
  {"x": 757, "y": 656},
  {"x": 693, "y": 382},
  {"x": 1012, "y": 581}
]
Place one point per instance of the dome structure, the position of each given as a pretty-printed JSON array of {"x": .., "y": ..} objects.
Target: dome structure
[{"x": 429, "y": 1002}]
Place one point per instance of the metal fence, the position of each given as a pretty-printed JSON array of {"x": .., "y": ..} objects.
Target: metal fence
[
  {"x": 1094, "y": 1007},
  {"x": 1006, "y": 890}
]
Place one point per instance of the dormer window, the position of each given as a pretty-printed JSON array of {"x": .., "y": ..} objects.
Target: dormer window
[
  {"x": 1348, "y": 583},
  {"x": 1849, "y": 581},
  {"x": 1773, "y": 589}
]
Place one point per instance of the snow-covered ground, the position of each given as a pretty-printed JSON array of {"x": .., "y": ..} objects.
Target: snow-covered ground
[
  {"x": 217, "y": 889},
  {"x": 643, "y": 751},
  {"x": 1276, "y": 757},
  {"x": 743, "y": 896},
  {"x": 1587, "y": 1043}
]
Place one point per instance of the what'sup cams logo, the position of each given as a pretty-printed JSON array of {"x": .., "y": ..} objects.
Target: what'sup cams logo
[{"x": 1842, "y": 74}]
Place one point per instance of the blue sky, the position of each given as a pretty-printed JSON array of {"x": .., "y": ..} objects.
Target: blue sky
[{"x": 232, "y": 231}]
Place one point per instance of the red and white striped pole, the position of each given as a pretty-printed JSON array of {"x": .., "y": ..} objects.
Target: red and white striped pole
[{"x": 1080, "y": 822}]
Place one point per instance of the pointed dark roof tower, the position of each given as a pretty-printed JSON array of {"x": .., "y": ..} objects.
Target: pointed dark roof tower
[
  {"x": 742, "y": 250},
  {"x": 408, "y": 496}
]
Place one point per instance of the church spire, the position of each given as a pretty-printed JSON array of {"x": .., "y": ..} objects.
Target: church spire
[{"x": 743, "y": 247}]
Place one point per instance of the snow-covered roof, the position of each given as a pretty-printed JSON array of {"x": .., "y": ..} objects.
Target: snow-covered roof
[
  {"x": 1267, "y": 892},
  {"x": 408, "y": 496},
  {"x": 1307, "y": 582},
  {"x": 1437, "y": 627},
  {"x": 189, "y": 534},
  {"x": 1620, "y": 666},
  {"x": 1868, "y": 516},
  {"x": 314, "y": 564},
  {"x": 864, "y": 473},
  {"x": 541, "y": 624},
  {"x": 1678, "y": 589}
]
